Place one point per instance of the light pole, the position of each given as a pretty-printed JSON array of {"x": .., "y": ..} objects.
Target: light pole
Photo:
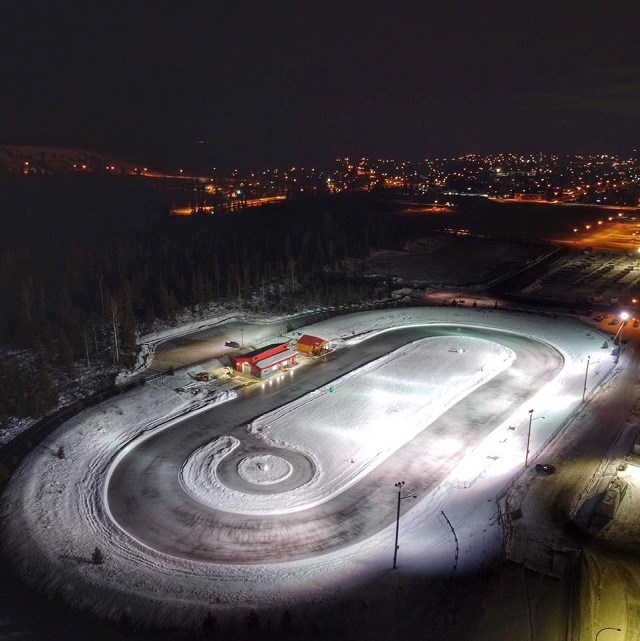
[
  {"x": 624, "y": 317},
  {"x": 531, "y": 419},
  {"x": 603, "y": 629},
  {"x": 400, "y": 498},
  {"x": 242, "y": 337},
  {"x": 584, "y": 389}
]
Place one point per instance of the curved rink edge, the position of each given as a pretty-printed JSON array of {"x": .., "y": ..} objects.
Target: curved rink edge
[{"x": 183, "y": 527}]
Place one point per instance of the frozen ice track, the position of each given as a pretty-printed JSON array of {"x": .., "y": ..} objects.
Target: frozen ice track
[{"x": 147, "y": 501}]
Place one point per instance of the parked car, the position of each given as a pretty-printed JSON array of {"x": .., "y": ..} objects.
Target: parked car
[
  {"x": 203, "y": 376},
  {"x": 612, "y": 322},
  {"x": 232, "y": 344},
  {"x": 545, "y": 469}
]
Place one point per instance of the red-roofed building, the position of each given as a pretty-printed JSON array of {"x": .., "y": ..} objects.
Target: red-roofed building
[
  {"x": 266, "y": 361},
  {"x": 311, "y": 345}
]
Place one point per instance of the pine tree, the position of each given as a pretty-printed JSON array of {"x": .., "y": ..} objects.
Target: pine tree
[
  {"x": 44, "y": 392},
  {"x": 286, "y": 623},
  {"x": 253, "y": 624},
  {"x": 97, "y": 558},
  {"x": 65, "y": 352},
  {"x": 25, "y": 326},
  {"x": 209, "y": 626},
  {"x": 127, "y": 321}
]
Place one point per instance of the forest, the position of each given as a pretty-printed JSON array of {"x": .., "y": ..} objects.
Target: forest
[{"x": 78, "y": 270}]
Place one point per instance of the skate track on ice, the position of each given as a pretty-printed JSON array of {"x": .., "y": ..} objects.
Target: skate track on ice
[{"x": 147, "y": 500}]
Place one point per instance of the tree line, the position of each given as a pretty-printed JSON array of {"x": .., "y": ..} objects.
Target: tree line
[{"x": 68, "y": 296}]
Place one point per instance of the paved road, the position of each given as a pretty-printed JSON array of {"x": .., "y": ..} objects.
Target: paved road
[{"x": 146, "y": 499}]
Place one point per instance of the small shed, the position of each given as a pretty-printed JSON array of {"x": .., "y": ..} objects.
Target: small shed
[{"x": 311, "y": 345}]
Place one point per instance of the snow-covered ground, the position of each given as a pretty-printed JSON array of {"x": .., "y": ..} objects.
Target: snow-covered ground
[
  {"x": 54, "y": 513},
  {"x": 205, "y": 338}
]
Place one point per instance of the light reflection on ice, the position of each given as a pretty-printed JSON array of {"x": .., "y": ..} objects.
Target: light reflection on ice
[{"x": 362, "y": 418}]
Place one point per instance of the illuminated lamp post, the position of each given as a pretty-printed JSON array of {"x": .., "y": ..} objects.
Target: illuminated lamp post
[
  {"x": 399, "y": 485},
  {"x": 531, "y": 419},
  {"x": 603, "y": 629},
  {"x": 624, "y": 317}
]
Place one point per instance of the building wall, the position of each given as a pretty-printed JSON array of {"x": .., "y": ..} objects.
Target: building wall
[
  {"x": 256, "y": 371},
  {"x": 313, "y": 348}
]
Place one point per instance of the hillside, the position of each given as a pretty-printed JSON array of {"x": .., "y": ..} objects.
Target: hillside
[{"x": 16, "y": 159}]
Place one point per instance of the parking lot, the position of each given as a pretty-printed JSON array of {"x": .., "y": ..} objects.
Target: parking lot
[{"x": 589, "y": 277}]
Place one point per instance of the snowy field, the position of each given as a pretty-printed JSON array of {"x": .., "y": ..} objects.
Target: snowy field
[{"x": 53, "y": 514}]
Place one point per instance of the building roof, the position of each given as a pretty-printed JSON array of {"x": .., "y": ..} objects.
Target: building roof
[
  {"x": 258, "y": 354},
  {"x": 276, "y": 358},
  {"x": 307, "y": 339}
]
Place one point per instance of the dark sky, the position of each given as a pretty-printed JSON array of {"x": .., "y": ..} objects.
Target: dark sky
[{"x": 282, "y": 82}]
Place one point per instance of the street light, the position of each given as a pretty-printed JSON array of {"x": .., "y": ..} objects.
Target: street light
[
  {"x": 603, "y": 629},
  {"x": 242, "y": 337},
  {"x": 531, "y": 419},
  {"x": 624, "y": 317},
  {"x": 399, "y": 485},
  {"x": 584, "y": 389}
]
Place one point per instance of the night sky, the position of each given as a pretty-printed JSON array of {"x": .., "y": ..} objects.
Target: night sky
[{"x": 282, "y": 82}]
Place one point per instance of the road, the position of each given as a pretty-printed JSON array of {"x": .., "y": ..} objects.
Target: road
[
  {"x": 146, "y": 499},
  {"x": 615, "y": 235}
]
